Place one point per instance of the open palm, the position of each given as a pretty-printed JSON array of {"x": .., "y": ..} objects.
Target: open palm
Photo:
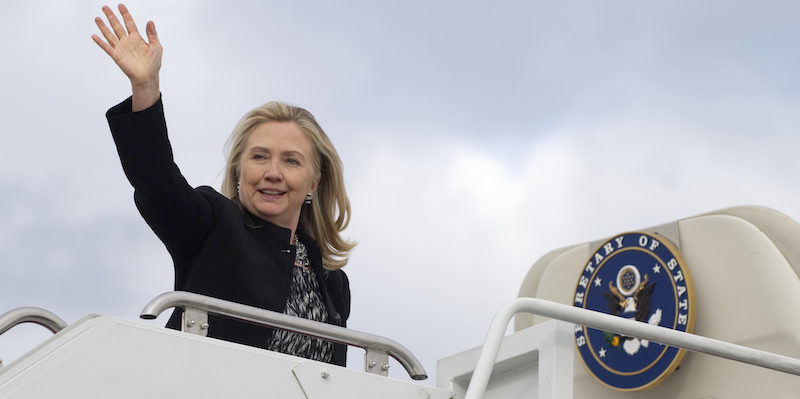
[{"x": 140, "y": 60}]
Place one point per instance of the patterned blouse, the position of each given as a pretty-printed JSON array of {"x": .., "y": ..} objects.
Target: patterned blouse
[{"x": 305, "y": 301}]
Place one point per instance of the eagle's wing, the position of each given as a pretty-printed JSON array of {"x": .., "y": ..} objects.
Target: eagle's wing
[
  {"x": 643, "y": 302},
  {"x": 613, "y": 303}
]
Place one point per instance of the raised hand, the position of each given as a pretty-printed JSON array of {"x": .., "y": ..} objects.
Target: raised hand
[{"x": 139, "y": 60}]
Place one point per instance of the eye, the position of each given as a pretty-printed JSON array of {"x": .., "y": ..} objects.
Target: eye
[
  {"x": 293, "y": 161},
  {"x": 258, "y": 156}
]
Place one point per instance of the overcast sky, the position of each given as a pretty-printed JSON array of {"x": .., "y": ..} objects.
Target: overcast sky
[{"x": 475, "y": 137}]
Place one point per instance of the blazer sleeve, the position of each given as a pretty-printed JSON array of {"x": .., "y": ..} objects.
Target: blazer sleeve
[
  {"x": 180, "y": 216},
  {"x": 346, "y": 297},
  {"x": 340, "y": 294}
]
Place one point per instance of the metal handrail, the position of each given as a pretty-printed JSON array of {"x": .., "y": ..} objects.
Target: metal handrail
[
  {"x": 274, "y": 319},
  {"x": 606, "y": 322},
  {"x": 30, "y": 314}
]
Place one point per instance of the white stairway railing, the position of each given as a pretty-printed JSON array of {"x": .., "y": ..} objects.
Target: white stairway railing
[{"x": 605, "y": 322}]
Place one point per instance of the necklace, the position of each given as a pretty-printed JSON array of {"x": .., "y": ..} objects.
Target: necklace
[{"x": 300, "y": 254}]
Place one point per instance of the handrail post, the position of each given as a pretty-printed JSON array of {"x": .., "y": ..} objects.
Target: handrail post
[
  {"x": 195, "y": 321},
  {"x": 376, "y": 362}
]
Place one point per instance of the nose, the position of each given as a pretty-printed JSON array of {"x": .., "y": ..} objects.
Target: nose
[{"x": 273, "y": 172}]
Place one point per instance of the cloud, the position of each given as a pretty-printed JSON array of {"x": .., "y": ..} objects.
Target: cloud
[
  {"x": 110, "y": 265},
  {"x": 448, "y": 229}
]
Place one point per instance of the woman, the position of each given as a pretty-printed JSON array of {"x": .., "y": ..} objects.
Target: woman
[{"x": 273, "y": 239}]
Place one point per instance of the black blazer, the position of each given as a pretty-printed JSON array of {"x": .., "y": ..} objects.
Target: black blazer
[{"x": 214, "y": 246}]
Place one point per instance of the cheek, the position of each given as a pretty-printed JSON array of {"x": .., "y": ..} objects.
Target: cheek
[
  {"x": 308, "y": 181},
  {"x": 247, "y": 173}
]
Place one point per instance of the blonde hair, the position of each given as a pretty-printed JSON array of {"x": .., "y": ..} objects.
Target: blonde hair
[{"x": 329, "y": 212}]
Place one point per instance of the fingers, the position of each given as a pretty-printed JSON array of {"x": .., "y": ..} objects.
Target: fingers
[
  {"x": 117, "y": 34},
  {"x": 126, "y": 16},
  {"x": 103, "y": 45},
  {"x": 118, "y": 31},
  {"x": 114, "y": 22},
  {"x": 110, "y": 37}
]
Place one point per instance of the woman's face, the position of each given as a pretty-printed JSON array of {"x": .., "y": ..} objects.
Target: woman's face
[{"x": 276, "y": 173}]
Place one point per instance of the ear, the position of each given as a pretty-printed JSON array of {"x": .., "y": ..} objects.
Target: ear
[{"x": 315, "y": 184}]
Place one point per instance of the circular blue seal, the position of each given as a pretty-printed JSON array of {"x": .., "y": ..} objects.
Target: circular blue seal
[{"x": 638, "y": 276}]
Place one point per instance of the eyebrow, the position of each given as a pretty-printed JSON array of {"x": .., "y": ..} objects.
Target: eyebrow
[{"x": 283, "y": 153}]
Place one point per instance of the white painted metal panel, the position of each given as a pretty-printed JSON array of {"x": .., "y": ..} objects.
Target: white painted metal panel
[
  {"x": 533, "y": 363},
  {"x": 320, "y": 381},
  {"x": 104, "y": 357}
]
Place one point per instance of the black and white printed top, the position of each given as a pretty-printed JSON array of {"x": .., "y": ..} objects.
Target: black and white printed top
[{"x": 304, "y": 301}]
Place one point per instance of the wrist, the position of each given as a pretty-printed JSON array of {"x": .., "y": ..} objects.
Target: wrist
[{"x": 145, "y": 94}]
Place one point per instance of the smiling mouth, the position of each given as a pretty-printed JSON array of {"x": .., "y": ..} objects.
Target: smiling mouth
[{"x": 271, "y": 192}]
